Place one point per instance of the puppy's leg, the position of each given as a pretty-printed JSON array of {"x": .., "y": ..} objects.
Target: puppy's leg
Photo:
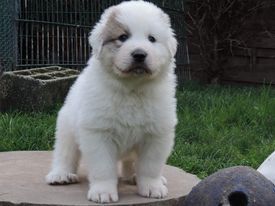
[
  {"x": 152, "y": 157},
  {"x": 100, "y": 153},
  {"x": 65, "y": 157}
]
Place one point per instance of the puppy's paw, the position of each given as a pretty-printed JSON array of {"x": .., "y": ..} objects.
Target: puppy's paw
[
  {"x": 152, "y": 187},
  {"x": 103, "y": 192},
  {"x": 61, "y": 178},
  {"x": 164, "y": 180}
]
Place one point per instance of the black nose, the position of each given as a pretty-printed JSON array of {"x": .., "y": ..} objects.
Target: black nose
[{"x": 139, "y": 55}]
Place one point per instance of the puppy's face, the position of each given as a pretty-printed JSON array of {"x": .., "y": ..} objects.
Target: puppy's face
[{"x": 134, "y": 39}]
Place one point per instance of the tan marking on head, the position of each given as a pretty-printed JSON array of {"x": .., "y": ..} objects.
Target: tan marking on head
[{"x": 113, "y": 29}]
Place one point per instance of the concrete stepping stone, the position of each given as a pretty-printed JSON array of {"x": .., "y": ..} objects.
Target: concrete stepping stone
[{"x": 22, "y": 183}]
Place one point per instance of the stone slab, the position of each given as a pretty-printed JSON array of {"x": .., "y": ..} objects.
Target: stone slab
[{"x": 22, "y": 183}]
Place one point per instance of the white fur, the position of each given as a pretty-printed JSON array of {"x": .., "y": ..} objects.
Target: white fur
[
  {"x": 267, "y": 168},
  {"x": 113, "y": 116}
]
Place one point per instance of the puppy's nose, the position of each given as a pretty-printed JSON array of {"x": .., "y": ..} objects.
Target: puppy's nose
[{"x": 139, "y": 55}]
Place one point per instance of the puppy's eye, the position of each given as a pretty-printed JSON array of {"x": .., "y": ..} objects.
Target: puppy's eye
[
  {"x": 152, "y": 39},
  {"x": 123, "y": 37}
]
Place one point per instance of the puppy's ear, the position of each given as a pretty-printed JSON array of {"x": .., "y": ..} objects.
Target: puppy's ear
[
  {"x": 172, "y": 42},
  {"x": 96, "y": 36}
]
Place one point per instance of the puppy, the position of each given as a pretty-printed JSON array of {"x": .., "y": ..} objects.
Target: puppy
[{"x": 122, "y": 107}]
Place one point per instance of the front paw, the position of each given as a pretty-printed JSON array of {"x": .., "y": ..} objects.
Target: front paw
[
  {"x": 103, "y": 192},
  {"x": 152, "y": 187},
  {"x": 59, "y": 178}
]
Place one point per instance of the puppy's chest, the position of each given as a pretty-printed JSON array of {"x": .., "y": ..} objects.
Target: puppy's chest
[
  {"x": 128, "y": 118},
  {"x": 135, "y": 113},
  {"x": 132, "y": 120}
]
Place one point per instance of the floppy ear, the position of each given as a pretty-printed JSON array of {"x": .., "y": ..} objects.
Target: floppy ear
[
  {"x": 96, "y": 35},
  {"x": 95, "y": 39},
  {"x": 172, "y": 44}
]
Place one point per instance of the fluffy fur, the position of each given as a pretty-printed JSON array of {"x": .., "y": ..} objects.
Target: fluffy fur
[{"x": 122, "y": 107}]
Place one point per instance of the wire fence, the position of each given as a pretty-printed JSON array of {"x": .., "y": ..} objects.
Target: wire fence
[
  {"x": 8, "y": 34},
  {"x": 38, "y": 33}
]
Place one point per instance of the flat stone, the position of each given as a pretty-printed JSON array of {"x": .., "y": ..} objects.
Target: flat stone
[{"x": 22, "y": 182}]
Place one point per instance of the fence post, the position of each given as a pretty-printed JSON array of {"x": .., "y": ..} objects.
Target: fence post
[{"x": 8, "y": 34}]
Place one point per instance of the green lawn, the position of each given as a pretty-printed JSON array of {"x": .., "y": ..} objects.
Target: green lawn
[
  {"x": 27, "y": 131},
  {"x": 218, "y": 127}
]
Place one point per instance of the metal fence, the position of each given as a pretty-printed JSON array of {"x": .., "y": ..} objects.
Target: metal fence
[
  {"x": 36, "y": 33},
  {"x": 8, "y": 34}
]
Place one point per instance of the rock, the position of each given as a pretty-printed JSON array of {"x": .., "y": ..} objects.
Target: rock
[
  {"x": 22, "y": 183},
  {"x": 35, "y": 89},
  {"x": 235, "y": 186}
]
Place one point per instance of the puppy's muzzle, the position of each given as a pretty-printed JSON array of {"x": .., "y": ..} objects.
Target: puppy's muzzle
[
  {"x": 138, "y": 63},
  {"x": 139, "y": 56},
  {"x": 140, "y": 69}
]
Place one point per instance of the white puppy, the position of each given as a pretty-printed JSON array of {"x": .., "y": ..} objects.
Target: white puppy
[{"x": 122, "y": 107}]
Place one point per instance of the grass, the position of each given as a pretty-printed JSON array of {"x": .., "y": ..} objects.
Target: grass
[
  {"x": 223, "y": 126},
  {"x": 27, "y": 131},
  {"x": 218, "y": 127}
]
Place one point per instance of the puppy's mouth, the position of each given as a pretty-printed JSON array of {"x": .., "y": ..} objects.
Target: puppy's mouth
[{"x": 136, "y": 69}]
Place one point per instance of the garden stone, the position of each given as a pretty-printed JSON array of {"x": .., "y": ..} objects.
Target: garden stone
[
  {"x": 235, "y": 186},
  {"x": 22, "y": 183},
  {"x": 35, "y": 89}
]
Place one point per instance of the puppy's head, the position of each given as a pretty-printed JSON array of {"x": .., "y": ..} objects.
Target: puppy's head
[{"x": 134, "y": 38}]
